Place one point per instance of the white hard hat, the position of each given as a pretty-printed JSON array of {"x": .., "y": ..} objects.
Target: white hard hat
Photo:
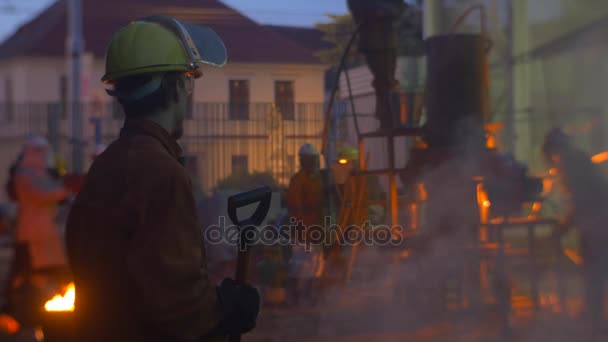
[
  {"x": 36, "y": 152},
  {"x": 308, "y": 150}
]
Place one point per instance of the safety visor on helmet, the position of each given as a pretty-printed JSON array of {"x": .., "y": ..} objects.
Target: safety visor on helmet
[{"x": 201, "y": 44}]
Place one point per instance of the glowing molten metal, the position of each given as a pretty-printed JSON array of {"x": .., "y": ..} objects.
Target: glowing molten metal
[{"x": 63, "y": 302}]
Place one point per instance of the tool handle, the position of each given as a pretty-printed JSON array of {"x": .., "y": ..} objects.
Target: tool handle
[
  {"x": 262, "y": 195},
  {"x": 242, "y": 266}
]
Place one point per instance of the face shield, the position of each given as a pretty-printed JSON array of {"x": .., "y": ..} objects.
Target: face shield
[{"x": 202, "y": 46}]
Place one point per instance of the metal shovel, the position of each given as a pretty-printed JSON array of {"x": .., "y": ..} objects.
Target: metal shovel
[{"x": 246, "y": 228}]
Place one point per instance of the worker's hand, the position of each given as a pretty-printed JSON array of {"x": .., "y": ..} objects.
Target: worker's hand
[{"x": 240, "y": 304}]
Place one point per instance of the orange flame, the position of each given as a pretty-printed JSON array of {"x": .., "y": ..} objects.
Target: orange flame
[
  {"x": 63, "y": 302},
  {"x": 8, "y": 325},
  {"x": 573, "y": 256},
  {"x": 600, "y": 157},
  {"x": 484, "y": 210}
]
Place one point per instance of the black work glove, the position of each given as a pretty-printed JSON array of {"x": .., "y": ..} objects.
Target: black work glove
[{"x": 240, "y": 304}]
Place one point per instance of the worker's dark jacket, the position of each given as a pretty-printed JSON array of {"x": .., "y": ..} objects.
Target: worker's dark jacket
[
  {"x": 135, "y": 246},
  {"x": 588, "y": 194}
]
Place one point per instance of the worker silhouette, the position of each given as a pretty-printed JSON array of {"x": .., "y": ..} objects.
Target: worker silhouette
[{"x": 587, "y": 193}]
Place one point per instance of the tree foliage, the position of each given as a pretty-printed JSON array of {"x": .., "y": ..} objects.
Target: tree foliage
[{"x": 338, "y": 32}]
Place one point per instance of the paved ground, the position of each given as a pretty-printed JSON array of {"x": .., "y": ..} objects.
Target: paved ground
[
  {"x": 321, "y": 325},
  {"x": 370, "y": 313},
  {"x": 367, "y": 312}
]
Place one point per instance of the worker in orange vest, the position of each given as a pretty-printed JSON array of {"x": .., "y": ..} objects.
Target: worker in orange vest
[{"x": 306, "y": 207}]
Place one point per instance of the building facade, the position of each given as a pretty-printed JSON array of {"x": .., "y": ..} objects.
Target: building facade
[{"x": 249, "y": 116}]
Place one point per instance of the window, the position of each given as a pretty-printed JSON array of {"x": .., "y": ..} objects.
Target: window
[
  {"x": 9, "y": 101},
  {"x": 239, "y": 164},
  {"x": 63, "y": 96},
  {"x": 239, "y": 100},
  {"x": 284, "y": 99}
]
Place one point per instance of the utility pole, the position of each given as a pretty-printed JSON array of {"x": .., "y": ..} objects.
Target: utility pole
[
  {"x": 432, "y": 13},
  {"x": 509, "y": 118},
  {"x": 75, "y": 49}
]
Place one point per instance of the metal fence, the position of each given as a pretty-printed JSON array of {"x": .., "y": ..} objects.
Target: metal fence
[{"x": 217, "y": 142}]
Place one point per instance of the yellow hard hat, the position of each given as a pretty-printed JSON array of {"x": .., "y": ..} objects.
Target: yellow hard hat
[
  {"x": 162, "y": 44},
  {"x": 348, "y": 154}
]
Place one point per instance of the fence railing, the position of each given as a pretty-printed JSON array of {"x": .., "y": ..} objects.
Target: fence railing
[{"x": 217, "y": 141}]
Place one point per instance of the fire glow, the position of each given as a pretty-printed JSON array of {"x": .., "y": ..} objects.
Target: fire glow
[
  {"x": 600, "y": 158},
  {"x": 63, "y": 302}
]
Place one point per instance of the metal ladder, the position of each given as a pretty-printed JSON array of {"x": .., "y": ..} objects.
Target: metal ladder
[{"x": 392, "y": 201}]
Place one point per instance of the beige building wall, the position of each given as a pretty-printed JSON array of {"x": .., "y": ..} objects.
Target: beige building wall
[{"x": 214, "y": 142}]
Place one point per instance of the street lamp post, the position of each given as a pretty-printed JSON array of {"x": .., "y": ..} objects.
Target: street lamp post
[{"x": 75, "y": 49}]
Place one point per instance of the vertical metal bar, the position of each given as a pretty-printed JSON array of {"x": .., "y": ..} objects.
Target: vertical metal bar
[
  {"x": 533, "y": 268},
  {"x": 75, "y": 53},
  {"x": 393, "y": 185},
  {"x": 509, "y": 142},
  {"x": 362, "y": 163},
  {"x": 560, "y": 263},
  {"x": 503, "y": 286},
  {"x": 432, "y": 17}
]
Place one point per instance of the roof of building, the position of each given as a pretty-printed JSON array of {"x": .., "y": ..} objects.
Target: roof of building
[
  {"x": 245, "y": 40},
  {"x": 308, "y": 37}
]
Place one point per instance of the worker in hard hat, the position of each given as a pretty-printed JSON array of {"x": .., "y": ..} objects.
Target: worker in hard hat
[
  {"x": 305, "y": 205},
  {"x": 350, "y": 183},
  {"x": 587, "y": 192},
  {"x": 351, "y": 186},
  {"x": 38, "y": 194},
  {"x": 39, "y": 251},
  {"x": 353, "y": 191},
  {"x": 378, "y": 41},
  {"x": 133, "y": 236}
]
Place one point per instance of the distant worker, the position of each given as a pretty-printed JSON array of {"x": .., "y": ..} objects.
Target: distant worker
[
  {"x": 133, "y": 236},
  {"x": 587, "y": 191},
  {"x": 378, "y": 42},
  {"x": 357, "y": 189},
  {"x": 353, "y": 191},
  {"x": 39, "y": 249},
  {"x": 305, "y": 204},
  {"x": 352, "y": 188}
]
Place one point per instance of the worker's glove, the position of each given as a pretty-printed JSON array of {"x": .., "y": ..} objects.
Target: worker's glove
[{"x": 240, "y": 304}]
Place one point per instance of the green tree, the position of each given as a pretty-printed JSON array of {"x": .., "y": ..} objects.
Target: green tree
[{"x": 338, "y": 32}]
